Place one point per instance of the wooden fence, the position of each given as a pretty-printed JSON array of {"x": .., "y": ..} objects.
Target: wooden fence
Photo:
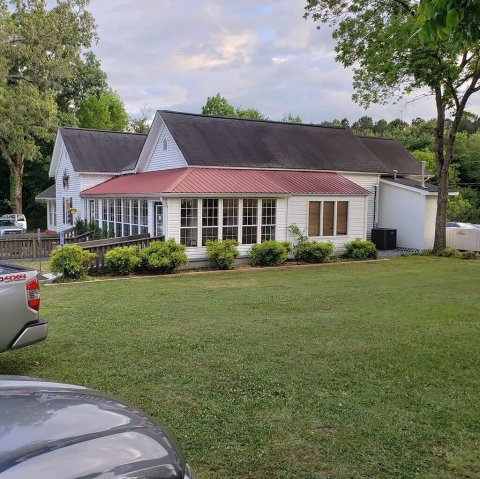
[{"x": 31, "y": 247}]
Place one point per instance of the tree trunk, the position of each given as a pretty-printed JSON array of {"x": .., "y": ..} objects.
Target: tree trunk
[
  {"x": 440, "y": 240},
  {"x": 16, "y": 183}
]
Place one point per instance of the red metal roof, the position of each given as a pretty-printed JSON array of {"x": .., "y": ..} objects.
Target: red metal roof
[{"x": 227, "y": 181}]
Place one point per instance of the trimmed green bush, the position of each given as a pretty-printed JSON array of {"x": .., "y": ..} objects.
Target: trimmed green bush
[
  {"x": 163, "y": 257},
  {"x": 71, "y": 260},
  {"x": 358, "y": 249},
  {"x": 315, "y": 251},
  {"x": 449, "y": 253},
  {"x": 270, "y": 253},
  {"x": 122, "y": 260},
  {"x": 222, "y": 254}
]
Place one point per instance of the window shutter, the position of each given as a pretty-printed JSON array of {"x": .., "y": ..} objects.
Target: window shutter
[{"x": 314, "y": 218}]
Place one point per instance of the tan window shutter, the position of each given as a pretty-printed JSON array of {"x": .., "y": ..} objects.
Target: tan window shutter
[
  {"x": 342, "y": 217},
  {"x": 314, "y": 218},
  {"x": 328, "y": 208}
]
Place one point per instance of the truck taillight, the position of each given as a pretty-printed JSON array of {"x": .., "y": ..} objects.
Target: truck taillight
[{"x": 33, "y": 294}]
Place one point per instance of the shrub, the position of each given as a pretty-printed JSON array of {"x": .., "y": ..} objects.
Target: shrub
[
  {"x": 81, "y": 227},
  {"x": 163, "y": 257},
  {"x": 122, "y": 261},
  {"x": 301, "y": 239},
  {"x": 449, "y": 253},
  {"x": 358, "y": 249},
  {"x": 222, "y": 254},
  {"x": 270, "y": 253},
  {"x": 315, "y": 251},
  {"x": 71, "y": 260},
  {"x": 470, "y": 255}
]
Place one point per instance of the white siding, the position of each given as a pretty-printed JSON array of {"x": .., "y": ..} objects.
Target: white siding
[
  {"x": 89, "y": 181},
  {"x": 367, "y": 181},
  {"x": 298, "y": 214},
  {"x": 73, "y": 190},
  {"x": 166, "y": 159},
  {"x": 405, "y": 211}
]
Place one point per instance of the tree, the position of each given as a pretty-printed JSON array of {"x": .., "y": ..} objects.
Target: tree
[
  {"x": 102, "y": 112},
  {"x": 219, "y": 106},
  {"x": 363, "y": 126},
  {"x": 379, "y": 39},
  {"x": 291, "y": 118},
  {"x": 38, "y": 51}
]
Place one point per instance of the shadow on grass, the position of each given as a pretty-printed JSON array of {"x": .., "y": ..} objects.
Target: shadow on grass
[{"x": 13, "y": 364}]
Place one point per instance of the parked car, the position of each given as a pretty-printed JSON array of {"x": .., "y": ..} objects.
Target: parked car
[
  {"x": 20, "y": 323},
  {"x": 9, "y": 226},
  {"x": 51, "y": 430},
  {"x": 18, "y": 218},
  {"x": 456, "y": 224}
]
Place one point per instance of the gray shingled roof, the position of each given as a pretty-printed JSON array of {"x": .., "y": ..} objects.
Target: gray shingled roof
[
  {"x": 413, "y": 184},
  {"x": 393, "y": 155},
  {"x": 49, "y": 194},
  {"x": 101, "y": 151},
  {"x": 233, "y": 142}
]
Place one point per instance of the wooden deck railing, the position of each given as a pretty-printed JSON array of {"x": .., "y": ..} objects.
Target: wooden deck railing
[{"x": 100, "y": 247}]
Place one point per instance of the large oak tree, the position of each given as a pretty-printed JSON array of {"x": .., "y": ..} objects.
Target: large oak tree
[
  {"x": 380, "y": 40},
  {"x": 40, "y": 49}
]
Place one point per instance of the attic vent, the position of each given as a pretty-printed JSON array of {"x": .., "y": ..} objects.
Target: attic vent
[{"x": 165, "y": 144}]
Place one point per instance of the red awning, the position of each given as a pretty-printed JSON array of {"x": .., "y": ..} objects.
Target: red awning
[{"x": 227, "y": 181}]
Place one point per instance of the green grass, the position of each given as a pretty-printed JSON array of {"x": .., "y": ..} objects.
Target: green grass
[{"x": 341, "y": 371}]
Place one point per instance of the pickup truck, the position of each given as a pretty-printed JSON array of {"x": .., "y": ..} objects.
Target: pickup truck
[{"x": 20, "y": 324}]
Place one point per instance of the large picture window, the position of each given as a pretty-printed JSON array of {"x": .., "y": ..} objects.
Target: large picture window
[
  {"x": 327, "y": 218},
  {"x": 189, "y": 222}
]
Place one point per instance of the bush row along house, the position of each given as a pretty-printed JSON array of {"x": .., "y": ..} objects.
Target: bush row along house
[{"x": 197, "y": 178}]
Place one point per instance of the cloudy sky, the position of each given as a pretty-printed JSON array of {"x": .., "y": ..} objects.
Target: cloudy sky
[{"x": 173, "y": 54}]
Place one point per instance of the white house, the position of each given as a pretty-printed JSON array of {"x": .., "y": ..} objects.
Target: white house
[{"x": 196, "y": 177}]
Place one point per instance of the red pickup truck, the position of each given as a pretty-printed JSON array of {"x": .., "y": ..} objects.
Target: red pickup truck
[{"x": 20, "y": 323}]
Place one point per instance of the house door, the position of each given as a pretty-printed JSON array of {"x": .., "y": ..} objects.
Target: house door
[{"x": 158, "y": 209}]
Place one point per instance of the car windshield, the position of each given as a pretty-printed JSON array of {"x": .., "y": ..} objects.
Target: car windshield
[{"x": 7, "y": 223}]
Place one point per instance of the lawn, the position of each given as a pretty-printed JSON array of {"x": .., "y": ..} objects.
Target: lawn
[{"x": 344, "y": 371}]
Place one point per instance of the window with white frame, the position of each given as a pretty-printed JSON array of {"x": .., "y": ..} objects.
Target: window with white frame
[
  {"x": 249, "y": 221},
  {"x": 143, "y": 216},
  {"x": 230, "y": 219},
  {"x": 52, "y": 213},
  {"x": 269, "y": 219},
  {"x": 328, "y": 218},
  {"x": 189, "y": 222},
  {"x": 209, "y": 220},
  {"x": 68, "y": 211}
]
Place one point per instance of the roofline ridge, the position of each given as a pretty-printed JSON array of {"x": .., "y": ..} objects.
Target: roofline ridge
[
  {"x": 377, "y": 137},
  {"x": 101, "y": 131},
  {"x": 254, "y": 120}
]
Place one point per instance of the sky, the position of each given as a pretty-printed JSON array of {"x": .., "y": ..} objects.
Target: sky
[{"x": 173, "y": 54}]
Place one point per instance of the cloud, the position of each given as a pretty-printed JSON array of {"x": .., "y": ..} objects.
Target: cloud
[{"x": 174, "y": 54}]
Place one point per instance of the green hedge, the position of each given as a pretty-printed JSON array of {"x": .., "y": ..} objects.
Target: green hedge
[
  {"x": 222, "y": 254},
  {"x": 122, "y": 260},
  {"x": 163, "y": 257},
  {"x": 314, "y": 251},
  {"x": 270, "y": 253},
  {"x": 358, "y": 249},
  {"x": 71, "y": 260}
]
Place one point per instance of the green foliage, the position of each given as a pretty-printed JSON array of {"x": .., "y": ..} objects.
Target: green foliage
[
  {"x": 459, "y": 209},
  {"x": 104, "y": 111},
  {"x": 222, "y": 254},
  {"x": 219, "y": 106},
  {"x": 301, "y": 239},
  {"x": 270, "y": 253},
  {"x": 289, "y": 117},
  {"x": 81, "y": 226},
  {"x": 71, "y": 260},
  {"x": 449, "y": 253},
  {"x": 470, "y": 255},
  {"x": 358, "y": 249},
  {"x": 315, "y": 251},
  {"x": 163, "y": 257},
  {"x": 122, "y": 261}
]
